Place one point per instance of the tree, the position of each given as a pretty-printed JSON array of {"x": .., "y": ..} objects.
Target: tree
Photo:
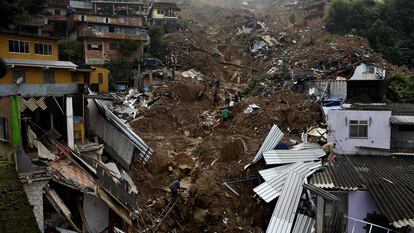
[
  {"x": 120, "y": 69},
  {"x": 70, "y": 50},
  {"x": 128, "y": 46},
  {"x": 13, "y": 12},
  {"x": 158, "y": 47},
  {"x": 400, "y": 88},
  {"x": 388, "y": 26}
]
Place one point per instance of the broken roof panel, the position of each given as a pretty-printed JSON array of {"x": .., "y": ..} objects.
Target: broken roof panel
[
  {"x": 306, "y": 146},
  {"x": 291, "y": 156},
  {"x": 70, "y": 174},
  {"x": 271, "y": 189},
  {"x": 284, "y": 212},
  {"x": 321, "y": 192},
  {"x": 303, "y": 224},
  {"x": 273, "y": 138},
  {"x": 270, "y": 173},
  {"x": 144, "y": 150}
]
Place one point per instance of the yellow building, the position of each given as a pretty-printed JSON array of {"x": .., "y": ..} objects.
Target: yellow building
[{"x": 33, "y": 60}]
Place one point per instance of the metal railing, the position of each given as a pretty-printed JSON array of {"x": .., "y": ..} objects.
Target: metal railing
[{"x": 368, "y": 224}]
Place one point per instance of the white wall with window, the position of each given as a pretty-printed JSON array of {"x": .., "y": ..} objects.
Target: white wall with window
[{"x": 360, "y": 132}]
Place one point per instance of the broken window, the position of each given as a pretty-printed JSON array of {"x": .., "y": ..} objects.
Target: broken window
[
  {"x": 358, "y": 129},
  {"x": 3, "y": 129}
]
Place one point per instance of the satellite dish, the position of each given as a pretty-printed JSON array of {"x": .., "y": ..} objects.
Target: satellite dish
[{"x": 19, "y": 80}]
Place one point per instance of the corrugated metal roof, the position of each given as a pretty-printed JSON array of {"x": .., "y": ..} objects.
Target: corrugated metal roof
[
  {"x": 402, "y": 120},
  {"x": 303, "y": 224},
  {"x": 271, "y": 189},
  {"x": 145, "y": 152},
  {"x": 270, "y": 173},
  {"x": 389, "y": 180},
  {"x": 395, "y": 108},
  {"x": 321, "y": 192},
  {"x": 284, "y": 212},
  {"x": 271, "y": 141},
  {"x": 339, "y": 175},
  {"x": 306, "y": 146},
  {"x": 290, "y": 156},
  {"x": 40, "y": 63}
]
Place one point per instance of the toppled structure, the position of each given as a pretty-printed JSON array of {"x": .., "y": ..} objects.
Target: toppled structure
[{"x": 285, "y": 182}]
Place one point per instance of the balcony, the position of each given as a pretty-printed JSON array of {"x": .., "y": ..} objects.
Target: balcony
[{"x": 91, "y": 32}]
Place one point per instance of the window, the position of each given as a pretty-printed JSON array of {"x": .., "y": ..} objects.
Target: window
[
  {"x": 19, "y": 76},
  {"x": 57, "y": 12},
  {"x": 371, "y": 70},
  {"x": 43, "y": 49},
  {"x": 111, "y": 29},
  {"x": 98, "y": 19},
  {"x": 113, "y": 46},
  {"x": 94, "y": 47},
  {"x": 83, "y": 18},
  {"x": 3, "y": 129},
  {"x": 49, "y": 76},
  {"x": 75, "y": 77},
  {"x": 107, "y": 20},
  {"x": 358, "y": 129},
  {"x": 18, "y": 46},
  {"x": 100, "y": 78}
]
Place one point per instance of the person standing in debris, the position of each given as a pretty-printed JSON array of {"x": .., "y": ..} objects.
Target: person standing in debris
[
  {"x": 216, "y": 98},
  {"x": 175, "y": 187},
  {"x": 225, "y": 114},
  {"x": 227, "y": 98},
  {"x": 328, "y": 148}
]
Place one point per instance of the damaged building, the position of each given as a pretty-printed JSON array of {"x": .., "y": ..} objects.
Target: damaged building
[{"x": 71, "y": 182}]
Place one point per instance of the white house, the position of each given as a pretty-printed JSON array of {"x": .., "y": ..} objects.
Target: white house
[{"x": 372, "y": 128}]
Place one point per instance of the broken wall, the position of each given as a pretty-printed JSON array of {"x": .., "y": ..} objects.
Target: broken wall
[
  {"x": 96, "y": 213},
  {"x": 34, "y": 192}
]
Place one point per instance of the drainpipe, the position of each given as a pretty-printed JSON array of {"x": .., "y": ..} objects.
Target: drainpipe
[{"x": 69, "y": 122}]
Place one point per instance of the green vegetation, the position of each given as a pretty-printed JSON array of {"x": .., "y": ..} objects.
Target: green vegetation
[
  {"x": 120, "y": 69},
  {"x": 158, "y": 47},
  {"x": 128, "y": 46},
  {"x": 327, "y": 39},
  {"x": 400, "y": 88},
  {"x": 13, "y": 12},
  {"x": 388, "y": 26},
  {"x": 16, "y": 214},
  {"x": 70, "y": 50}
]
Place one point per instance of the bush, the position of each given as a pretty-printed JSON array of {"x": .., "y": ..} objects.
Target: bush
[
  {"x": 120, "y": 69},
  {"x": 128, "y": 46},
  {"x": 327, "y": 39},
  {"x": 400, "y": 88},
  {"x": 70, "y": 50}
]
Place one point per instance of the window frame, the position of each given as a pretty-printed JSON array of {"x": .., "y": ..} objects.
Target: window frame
[
  {"x": 19, "y": 44},
  {"x": 359, "y": 125},
  {"x": 48, "y": 78},
  {"x": 45, "y": 47},
  {"x": 4, "y": 131},
  {"x": 100, "y": 78}
]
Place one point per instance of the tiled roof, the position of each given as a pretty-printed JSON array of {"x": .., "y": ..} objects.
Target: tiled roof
[
  {"x": 390, "y": 181},
  {"x": 395, "y": 108}
]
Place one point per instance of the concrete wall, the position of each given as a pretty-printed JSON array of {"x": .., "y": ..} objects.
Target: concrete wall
[
  {"x": 34, "y": 75},
  {"x": 401, "y": 139},
  {"x": 34, "y": 192},
  {"x": 336, "y": 88},
  {"x": 359, "y": 205},
  {"x": 379, "y": 131},
  {"x": 362, "y": 72}
]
